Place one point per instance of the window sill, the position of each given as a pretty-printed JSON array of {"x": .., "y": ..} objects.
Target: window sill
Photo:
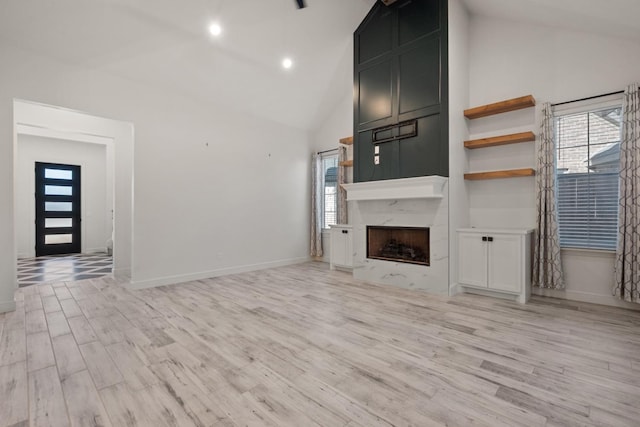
[{"x": 588, "y": 252}]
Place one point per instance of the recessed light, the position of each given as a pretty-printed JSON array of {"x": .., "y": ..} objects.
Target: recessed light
[
  {"x": 215, "y": 29},
  {"x": 287, "y": 63}
]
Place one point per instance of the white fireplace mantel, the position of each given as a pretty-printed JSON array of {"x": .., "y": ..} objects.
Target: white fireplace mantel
[{"x": 423, "y": 187}]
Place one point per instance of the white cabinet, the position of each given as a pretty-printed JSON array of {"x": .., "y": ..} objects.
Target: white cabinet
[
  {"x": 473, "y": 271},
  {"x": 341, "y": 251},
  {"x": 495, "y": 260}
]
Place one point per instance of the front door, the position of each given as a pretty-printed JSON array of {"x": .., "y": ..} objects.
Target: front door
[{"x": 57, "y": 209}]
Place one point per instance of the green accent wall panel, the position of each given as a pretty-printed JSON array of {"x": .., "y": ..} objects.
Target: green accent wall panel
[
  {"x": 417, "y": 19},
  {"x": 419, "y": 77},
  {"x": 375, "y": 92},
  {"x": 376, "y": 39},
  {"x": 400, "y": 74}
]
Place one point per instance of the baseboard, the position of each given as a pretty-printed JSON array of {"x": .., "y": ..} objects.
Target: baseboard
[
  {"x": 489, "y": 293},
  {"x": 588, "y": 297},
  {"x": 454, "y": 289},
  {"x": 6, "y": 306},
  {"x": 182, "y": 278},
  {"x": 95, "y": 251},
  {"x": 122, "y": 273}
]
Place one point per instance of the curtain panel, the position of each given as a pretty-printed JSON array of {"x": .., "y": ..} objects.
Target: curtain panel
[
  {"x": 342, "y": 193},
  {"x": 316, "y": 206},
  {"x": 627, "y": 267},
  {"x": 547, "y": 266}
]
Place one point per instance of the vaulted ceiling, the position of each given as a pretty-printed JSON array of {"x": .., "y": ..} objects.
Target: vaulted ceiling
[
  {"x": 165, "y": 43},
  {"x": 617, "y": 18}
]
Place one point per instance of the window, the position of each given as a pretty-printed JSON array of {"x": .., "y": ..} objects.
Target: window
[
  {"x": 587, "y": 163},
  {"x": 329, "y": 189}
]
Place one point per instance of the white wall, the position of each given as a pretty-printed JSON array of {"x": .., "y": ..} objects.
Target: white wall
[
  {"x": 96, "y": 204},
  {"x": 8, "y": 252},
  {"x": 509, "y": 59},
  {"x": 338, "y": 125},
  {"x": 215, "y": 191},
  {"x": 458, "y": 131}
]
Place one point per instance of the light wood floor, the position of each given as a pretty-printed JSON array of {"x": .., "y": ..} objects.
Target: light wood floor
[{"x": 303, "y": 346}]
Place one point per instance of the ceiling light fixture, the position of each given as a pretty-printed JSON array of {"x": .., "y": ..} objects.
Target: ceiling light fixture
[
  {"x": 215, "y": 29},
  {"x": 287, "y": 63}
]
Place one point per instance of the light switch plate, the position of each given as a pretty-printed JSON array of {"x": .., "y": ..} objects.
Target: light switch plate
[
  {"x": 376, "y": 160},
  {"x": 376, "y": 149}
]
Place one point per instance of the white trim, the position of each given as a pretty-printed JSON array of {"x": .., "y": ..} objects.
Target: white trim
[
  {"x": 35, "y": 130},
  {"x": 7, "y": 306},
  {"x": 424, "y": 187},
  {"x": 65, "y": 109},
  {"x": 588, "y": 297},
  {"x": 182, "y": 278}
]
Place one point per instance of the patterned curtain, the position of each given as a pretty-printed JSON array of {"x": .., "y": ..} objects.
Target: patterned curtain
[
  {"x": 342, "y": 193},
  {"x": 316, "y": 205},
  {"x": 547, "y": 267},
  {"x": 627, "y": 268}
]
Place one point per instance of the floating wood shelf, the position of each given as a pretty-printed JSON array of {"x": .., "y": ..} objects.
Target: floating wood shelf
[
  {"x": 347, "y": 141},
  {"x": 512, "y": 173},
  {"x": 500, "y": 140},
  {"x": 500, "y": 107},
  {"x": 346, "y": 163}
]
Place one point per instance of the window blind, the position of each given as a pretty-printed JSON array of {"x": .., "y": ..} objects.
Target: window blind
[
  {"x": 329, "y": 190},
  {"x": 588, "y": 210}
]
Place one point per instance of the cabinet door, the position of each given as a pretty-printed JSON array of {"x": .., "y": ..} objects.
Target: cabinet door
[
  {"x": 348, "y": 249},
  {"x": 472, "y": 261},
  {"x": 341, "y": 247},
  {"x": 337, "y": 247},
  {"x": 505, "y": 262}
]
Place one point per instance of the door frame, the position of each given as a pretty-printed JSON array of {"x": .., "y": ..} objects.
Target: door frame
[{"x": 39, "y": 119}]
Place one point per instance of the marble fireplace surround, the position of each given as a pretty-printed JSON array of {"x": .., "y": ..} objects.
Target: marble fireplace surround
[{"x": 406, "y": 202}]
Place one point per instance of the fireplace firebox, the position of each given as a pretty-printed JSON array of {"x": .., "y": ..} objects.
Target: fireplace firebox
[{"x": 399, "y": 244}]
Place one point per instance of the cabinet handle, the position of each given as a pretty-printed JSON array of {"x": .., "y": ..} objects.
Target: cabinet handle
[
  {"x": 484, "y": 238},
  {"x": 490, "y": 239}
]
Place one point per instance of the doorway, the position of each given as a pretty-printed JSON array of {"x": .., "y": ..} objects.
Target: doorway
[
  {"x": 102, "y": 229},
  {"x": 58, "y": 209}
]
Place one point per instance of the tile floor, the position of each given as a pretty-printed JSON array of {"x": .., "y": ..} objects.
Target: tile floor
[
  {"x": 63, "y": 268},
  {"x": 303, "y": 346}
]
